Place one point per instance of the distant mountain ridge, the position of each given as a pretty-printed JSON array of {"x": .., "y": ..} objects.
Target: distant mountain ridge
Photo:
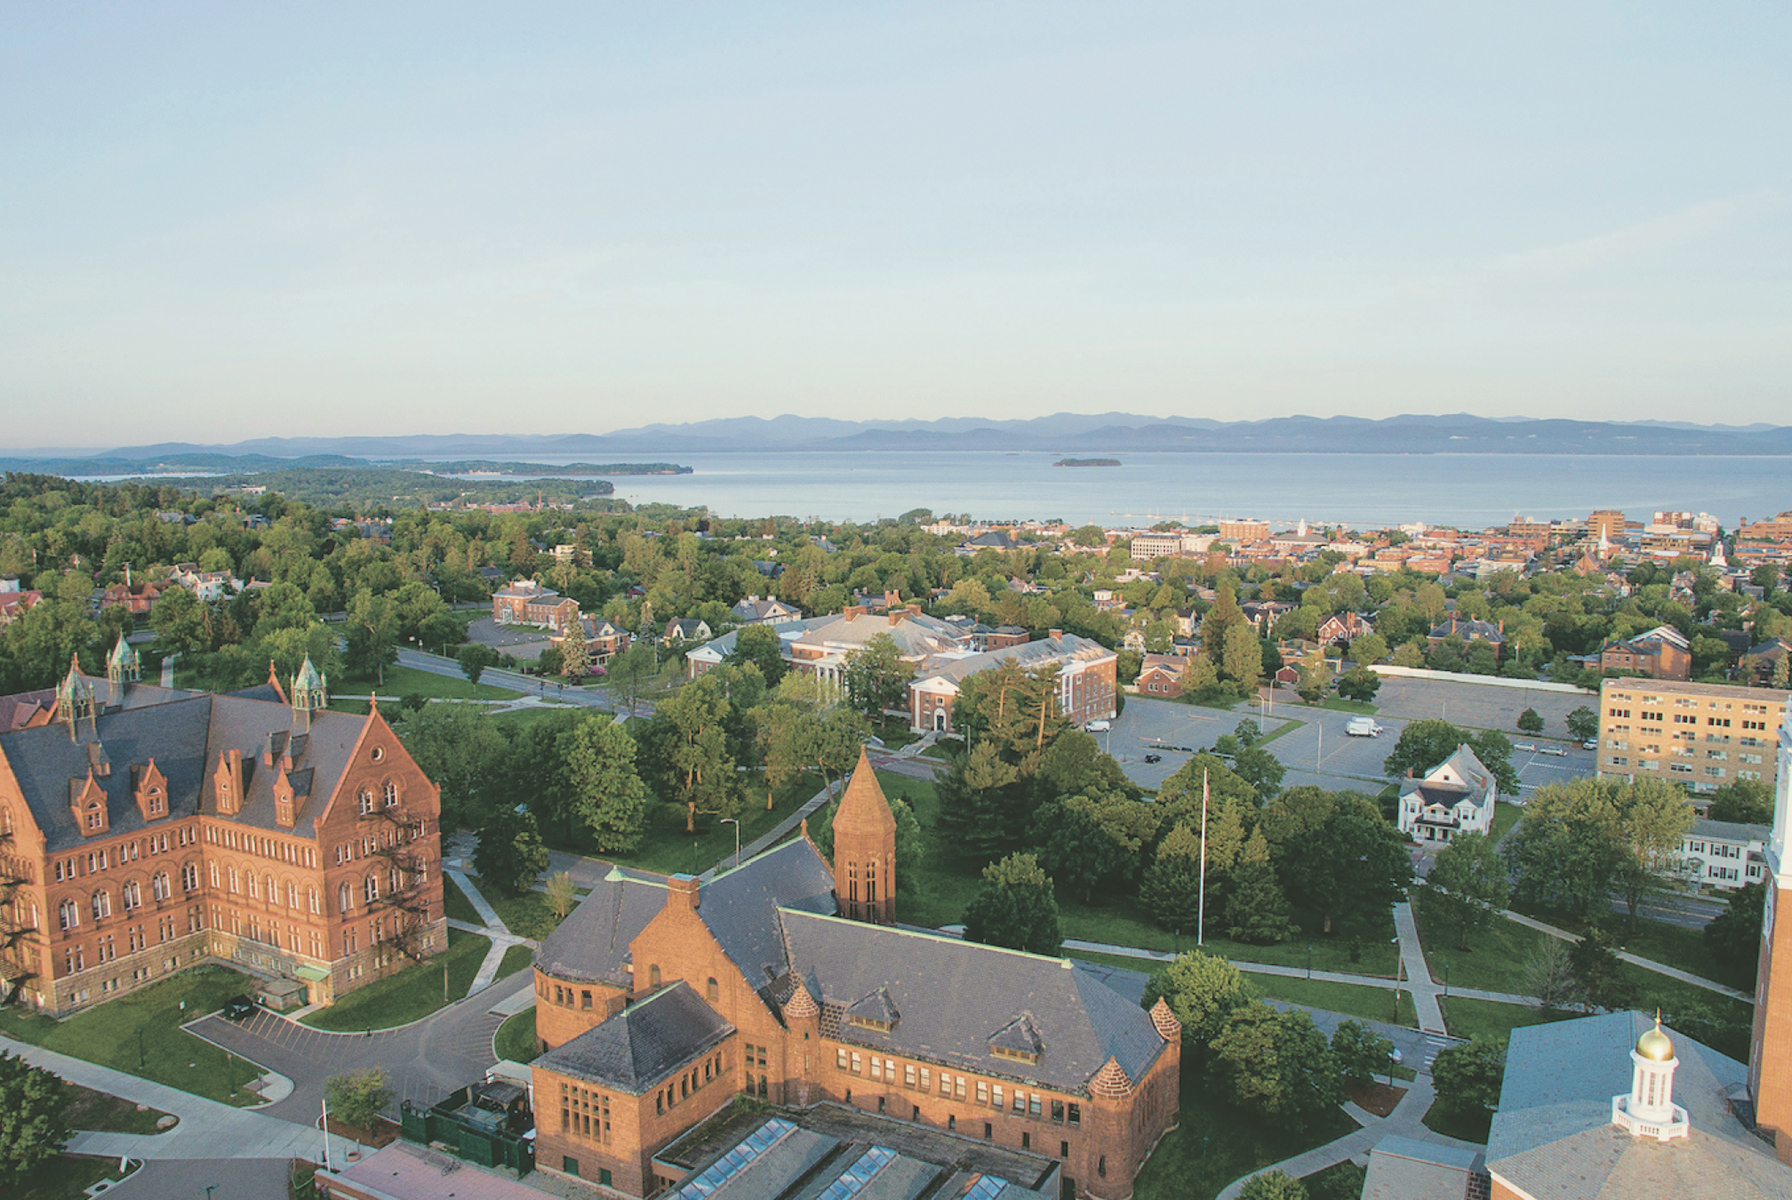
[{"x": 1058, "y": 433}]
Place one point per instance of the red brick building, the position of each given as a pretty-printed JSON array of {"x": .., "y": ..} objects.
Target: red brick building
[
  {"x": 660, "y": 999},
  {"x": 526, "y": 602},
  {"x": 1162, "y": 676},
  {"x": 1662, "y": 653},
  {"x": 144, "y": 829}
]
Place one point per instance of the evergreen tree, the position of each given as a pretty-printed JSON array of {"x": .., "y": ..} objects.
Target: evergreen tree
[
  {"x": 575, "y": 652},
  {"x": 1015, "y": 907},
  {"x": 1258, "y": 911},
  {"x": 1734, "y": 936},
  {"x": 604, "y": 788},
  {"x": 983, "y": 801},
  {"x": 1171, "y": 892}
]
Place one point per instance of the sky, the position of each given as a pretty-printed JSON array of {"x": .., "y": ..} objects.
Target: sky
[{"x": 232, "y": 220}]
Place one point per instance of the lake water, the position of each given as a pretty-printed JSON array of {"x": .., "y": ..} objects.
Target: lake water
[{"x": 1471, "y": 490}]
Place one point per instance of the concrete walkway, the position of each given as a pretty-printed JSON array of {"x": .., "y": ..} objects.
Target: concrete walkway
[
  {"x": 207, "y": 1128},
  {"x": 1418, "y": 975},
  {"x": 1635, "y": 960},
  {"x": 495, "y": 929}
]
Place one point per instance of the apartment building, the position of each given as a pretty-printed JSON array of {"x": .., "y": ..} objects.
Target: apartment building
[{"x": 1700, "y": 735}]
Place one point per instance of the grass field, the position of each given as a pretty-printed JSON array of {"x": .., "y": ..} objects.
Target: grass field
[
  {"x": 1339, "y": 704},
  {"x": 68, "y": 1176},
  {"x": 515, "y": 1039},
  {"x": 515, "y": 959},
  {"x": 527, "y": 915},
  {"x": 144, "y": 1027},
  {"x": 1677, "y": 946},
  {"x": 1487, "y": 1018},
  {"x": 1343, "y": 1181},
  {"x": 1447, "y": 1120},
  {"x": 1505, "y": 816},
  {"x": 1218, "y": 1142},
  {"x": 668, "y": 849},
  {"x": 1496, "y": 957},
  {"x": 89, "y": 1109},
  {"x": 408, "y": 681},
  {"x": 410, "y": 994},
  {"x": 1352, "y": 999},
  {"x": 456, "y": 905}
]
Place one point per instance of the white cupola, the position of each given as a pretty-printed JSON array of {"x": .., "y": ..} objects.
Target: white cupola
[{"x": 1649, "y": 1109}]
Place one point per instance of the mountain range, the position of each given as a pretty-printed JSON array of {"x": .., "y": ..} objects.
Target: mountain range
[{"x": 1058, "y": 433}]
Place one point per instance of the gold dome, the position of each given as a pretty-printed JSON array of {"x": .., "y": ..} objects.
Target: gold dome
[{"x": 1654, "y": 1044}]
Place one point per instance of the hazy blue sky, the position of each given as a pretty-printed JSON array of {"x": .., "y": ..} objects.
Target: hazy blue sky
[{"x": 230, "y": 220}]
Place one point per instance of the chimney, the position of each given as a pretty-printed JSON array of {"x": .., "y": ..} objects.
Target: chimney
[
  {"x": 1057, "y": 635},
  {"x": 688, "y": 889},
  {"x": 854, "y": 610}
]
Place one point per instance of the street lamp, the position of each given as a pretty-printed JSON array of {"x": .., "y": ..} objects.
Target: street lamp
[
  {"x": 734, "y": 821},
  {"x": 140, "y": 1047},
  {"x": 1309, "y": 960},
  {"x": 1446, "y": 977}
]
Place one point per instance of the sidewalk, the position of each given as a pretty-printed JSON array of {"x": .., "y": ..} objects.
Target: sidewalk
[
  {"x": 1418, "y": 975},
  {"x": 1633, "y": 959},
  {"x": 776, "y": 834},
  {"x": 207, "y": 1128},
  {"x": 495, "y": 929}
]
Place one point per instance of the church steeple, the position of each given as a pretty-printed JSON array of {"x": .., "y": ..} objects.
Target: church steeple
[{"x": 865, "y": 849}]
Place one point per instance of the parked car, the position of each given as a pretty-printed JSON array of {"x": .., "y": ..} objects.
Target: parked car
[
  {"x": 1553, "y": 751},
  {"x": 1525, "y": 746},
  {"x": 1151, "y": 758},
  {"x": 239, "y": 1007},
  {"x": 1590, "y": 744}
]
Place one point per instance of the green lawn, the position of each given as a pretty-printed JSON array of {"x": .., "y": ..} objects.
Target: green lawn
[
  {"x": 523, "y": 717},
  {"x": 669, "y": 850},
  {"x": 456, "y": 904},
  {"x": 1218, "y": 1142},
  {"x": 1677, "y": 946},
  {"x": 89, "y": 1109},
  {"x": 1343, "y": 1181},
  {"x": 515, "y": 959},
  {"x": 412, "y": 993},
  {"x": 515, "y": 1039},
  {"x": 1352, "y": 999},
  {"x": 1340, "y": 704},
  {"x": 407, "y": 681},
  {"x": 1489, "y": 1018},
  {"x": 108, "y": 1034},
  {"x": 1496, "y": 955},
  {"x": 1505, "y": 816},
  {"x": 527, "y": 915},
  {"x": 1730, "y": 1019},
  {"x": 1289, "y": 725},
  {"x": 1447, "y": 1120},
  {"x": 68, "y": 1177}
]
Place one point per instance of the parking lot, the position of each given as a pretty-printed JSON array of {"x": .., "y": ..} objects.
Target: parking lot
[{"x": 1316, "y": 749}]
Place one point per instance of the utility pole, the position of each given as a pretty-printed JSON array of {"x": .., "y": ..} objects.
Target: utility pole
[
  {"x": 1201, "y": 907},
  {"x": 734, "y": 821}
]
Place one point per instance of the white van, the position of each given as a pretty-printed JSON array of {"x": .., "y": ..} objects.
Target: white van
[
  {"x": 1097, "y": 727},
  {"x": 1362, "y": 727}
]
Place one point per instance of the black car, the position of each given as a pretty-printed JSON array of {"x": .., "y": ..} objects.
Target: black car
[
  {"x": 1151, "y": 758},
  {"x": 238, "y": 1007}
]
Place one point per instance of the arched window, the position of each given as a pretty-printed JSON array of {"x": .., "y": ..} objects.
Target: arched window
[
  {"x": 214, "y": 870},
  {"x": 189, "y": 877},
  {"x": 132, "y": 893},
  {"x": 712, "y": 993},
  {"x": 345, "y": 898},
  {"x": 653, "y": 975},
  {"x": 392, "y": 881},
  {"x": 311, "y": 895},
  {"x": 366, "y": 799},
  {"x": 391, "y": 790},
  {"x": 235, "y": 883},
  {"x": 102, "y": 904},
  {"x": 159, "y": 886},
  {"x": 254, "y": 884},
  {"x": 272, "y": 889},
  {"x": 69, "y": 914},
  {"x": 371, "y": 888},
  {"x": 292, "y": 894}
]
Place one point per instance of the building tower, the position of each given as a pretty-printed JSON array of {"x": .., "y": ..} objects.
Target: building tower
[
  {"x": 310, "y": 693},
  {"x": 74, "y": 697},
  {"x": 1648, "y": 1110},
  {"x": 1770, "y": 1047},
  {"x": 865, "y": 849},
  {"x": 122, "y": 667}
]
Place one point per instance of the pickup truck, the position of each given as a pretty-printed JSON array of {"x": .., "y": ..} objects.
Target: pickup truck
[{"x": 1362, "y": 727}]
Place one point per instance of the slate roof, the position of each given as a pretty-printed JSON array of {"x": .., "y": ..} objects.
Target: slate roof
[
  {"x": 955, "y": 997},
  {"x": 741, "y": 907},
  {"x": 184, "y": 734},
  {"x": 1402, "y": 1168},
  {"x": 644, "y": 1043},
  {"x": 592, "y": 942},
  {"x": 1553, "y": 1135}
]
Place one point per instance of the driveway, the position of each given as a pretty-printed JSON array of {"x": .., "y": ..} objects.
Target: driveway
[{"x": 425, "y": 1061}]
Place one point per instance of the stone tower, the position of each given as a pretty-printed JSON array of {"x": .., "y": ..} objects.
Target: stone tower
[
  {"x": 122, "y": 667},
  {"x": 1770, "y": 1048},
  {"x": 865, "y": 850},
  {"x": 310, "y": 693}
]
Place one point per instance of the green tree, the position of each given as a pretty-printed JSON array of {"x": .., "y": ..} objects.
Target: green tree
[
  {"x": 1734, "y": 936},
  {"x": 179, "y": 620},
  {"x": 1242, "y": 657},
  {"x": 562, "y": 893},
  {"x": 1530, "y": 721},
  {"x": 1744, "y": 801},
  {"x": 1091, "y": 839},
  {"x": 1469, "y": 882},
  {"x": 1015, "y": 907},
  {"x": 1257, "y": 910},
  {"x": 631, "y": 672},
  {"x": 510, "y": 853},
  {"x": 463, "y": 753},
  {"x": 356, "y": 1097},
  {"x": 690, "y": 726},
  {"x": 33, "y": 1119},
  {"x": 876, "y": 677},
  {"x": 983, "y": 801},
  {"x": 575, "y": 652},
  {"x": 1359, "y": 684},
  {"x": 604, "y": 788},
  {"x": 1468, "y": 1076},
  {"x": 1203, "y": 991},
  {"x": 474, "y": 658},
  {"x": 372, "y": 635},
  {"x": 1362, "y": 1053},
  {"x": 1279, "y": 1064},
  {"x": 1369, "y": 649},
  {"x": 1583, "y": 724},
  {"x": 1252, "y": 763},
  {"x": 1598, "y": 973},
  {"x": 761, "y": 646},
  {"x": 1423, "y": 745},
  {"x": 1336, "y": 855},
  {"x": 1172, "y": 887},
  {"x": 1272, "y": 1185}
]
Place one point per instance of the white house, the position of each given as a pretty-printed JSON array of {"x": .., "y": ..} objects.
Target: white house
[
  {"x": 1455, "y": 797},
  {"x": 1724, "y": 854}
]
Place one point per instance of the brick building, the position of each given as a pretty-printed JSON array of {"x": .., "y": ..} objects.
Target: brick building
[
  {"x": 1662, "y": 653},
  {"x": 526, "y": 602},
  {"x": 1162, "y": 675},
  {"x": 1700, "y": 735},
  {"x": 144, "y": 829},
  {"x": 660, "y": 999},
  {"x": 1087, "y": 674}
]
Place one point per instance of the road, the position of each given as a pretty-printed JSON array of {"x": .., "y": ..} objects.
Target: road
[{"x": 600, "y": 699}]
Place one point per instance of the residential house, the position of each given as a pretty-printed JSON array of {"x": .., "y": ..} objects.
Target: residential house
[
  {"x": 687, "y": 631},
  {"x": 1662, "y": 653},
  {"x": 1469, "y": 630},
  {"x": 14, "y": 600},
  {"x": 206, "y": 586},
  {"x": 1263, "y": 614},
  {"x": 1343, "y": 627},
  {"x": 1724, "y": 854},
  {"x": 603, "y": 639},
  {"x": 1455, "y": 797},
  {"x": 1162, "y": 676},
  {"x": 763, "y": 610}
]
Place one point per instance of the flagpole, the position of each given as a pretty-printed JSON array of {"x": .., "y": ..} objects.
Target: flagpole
[
  {"x": 1201, "y": 911},
  {"x": 326, "y": 1133}
]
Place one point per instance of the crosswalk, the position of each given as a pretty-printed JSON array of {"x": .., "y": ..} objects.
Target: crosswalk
[{"x": 1435, "y": 1042}]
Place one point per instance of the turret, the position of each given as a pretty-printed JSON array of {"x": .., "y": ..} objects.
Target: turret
[{"x": 865, "y": 849}]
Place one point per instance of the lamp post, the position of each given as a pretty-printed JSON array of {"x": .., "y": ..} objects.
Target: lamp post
[
  {"x": 1399, "y": 972},
  {"x": 1309, "y": 960},
  {"x": 140, "y": 1048},
  {"x": 1205, "y": 1138},
  {"x": 1446, "y": 977},
  {"x": 734, "y": 821}
]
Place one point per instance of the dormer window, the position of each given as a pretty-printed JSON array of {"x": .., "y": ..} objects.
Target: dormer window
[
  {"x": 871, "y": 1023},
  {"x": 1015, "y": 1055},
  {"x": 96, "y": 818}
]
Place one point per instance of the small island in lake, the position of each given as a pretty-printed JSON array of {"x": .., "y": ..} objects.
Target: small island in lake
[{"x": 1087, "y": 462}]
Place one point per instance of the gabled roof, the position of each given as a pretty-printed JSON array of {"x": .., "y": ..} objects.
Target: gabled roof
[
  {"x": 741, "y": 907},
  {"x": 643, "y": 1044},
  {"x": 954, "y": 997},
  {"x": 592, "y": 942}
]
